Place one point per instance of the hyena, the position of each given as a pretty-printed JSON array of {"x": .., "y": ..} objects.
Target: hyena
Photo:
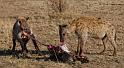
[
  {"x": 21, "y": 32},
  {"x": 86, "y": 27}
]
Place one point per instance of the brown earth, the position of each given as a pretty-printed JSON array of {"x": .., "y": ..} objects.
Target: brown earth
[{"x": 44, "y": 21}]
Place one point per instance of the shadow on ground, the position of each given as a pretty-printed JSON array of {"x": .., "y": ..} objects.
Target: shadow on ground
[{"x": 9, "y": 52}]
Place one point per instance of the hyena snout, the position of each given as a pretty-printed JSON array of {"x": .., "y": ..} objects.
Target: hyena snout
[{"x": 25, "y": 35}]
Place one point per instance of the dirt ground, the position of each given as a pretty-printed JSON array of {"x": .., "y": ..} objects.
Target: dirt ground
[{"x": 44, "y": 20}]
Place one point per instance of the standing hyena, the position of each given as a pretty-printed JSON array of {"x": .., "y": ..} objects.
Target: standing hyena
[
  {"x": 21, "y": 32},
  {"x": 86, "y": 27}
]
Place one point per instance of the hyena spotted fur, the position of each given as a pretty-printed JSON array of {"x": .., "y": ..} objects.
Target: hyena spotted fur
[
  {"x": 86, "y": 27},
  {"x": 21, "y": 32}
]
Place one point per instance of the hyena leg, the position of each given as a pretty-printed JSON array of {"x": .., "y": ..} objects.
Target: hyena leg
[
  {"x": 111, "y": 37},
  {"x": 114, "y": 45},
  {"x": 78, "y": 47},
  {"x": 104, "y": 40},
  {"x": 13, "y": 49},
  {"x": 79, "y": 43},
  {"x": 82, "y": 38},
  {"x": 14, "y": 44},
  {"x": 82, "y": 43},
  {"x": 25, "y": 47},
  {"x": 35, "y": 43}
]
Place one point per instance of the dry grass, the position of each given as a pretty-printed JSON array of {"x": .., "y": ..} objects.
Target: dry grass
[{"x": 44, "y": 21}]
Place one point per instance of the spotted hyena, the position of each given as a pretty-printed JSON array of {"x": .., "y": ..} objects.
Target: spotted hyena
[
  {"x": 86, "y": 27},
  {"x": 21, "y": 32}
]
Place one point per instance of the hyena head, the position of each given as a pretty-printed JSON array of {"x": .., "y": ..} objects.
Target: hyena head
[
  {"x": 68, "y": 29},
  {"x": 62, "y": 32},
  {"x": 23, "y": 22},
  {"x": 24, "y": 28}
]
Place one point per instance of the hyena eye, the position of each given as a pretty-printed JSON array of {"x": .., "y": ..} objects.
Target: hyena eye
[
  {"x": 25, "y": 29},
  {"x": 19, "y": 21},
  {"x": 63, "y": 34}
]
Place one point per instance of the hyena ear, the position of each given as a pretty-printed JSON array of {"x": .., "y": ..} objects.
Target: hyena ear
[
  {"x": 99, "y": 18},
  {"x": 15, "y": 17},
  {"x": 64, "y": 25},
  {"x": 27, "y": 18},
  {"x": 60, "y": 25}
]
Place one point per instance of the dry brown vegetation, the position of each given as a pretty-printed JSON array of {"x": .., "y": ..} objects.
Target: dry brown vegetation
[{"x": 44, "y": 21}]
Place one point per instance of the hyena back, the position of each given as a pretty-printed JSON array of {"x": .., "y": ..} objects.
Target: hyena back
[{"x": 86, "y": 27}]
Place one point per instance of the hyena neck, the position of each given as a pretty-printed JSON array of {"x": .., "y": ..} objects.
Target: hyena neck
[{"x": 71, "y": 29}]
